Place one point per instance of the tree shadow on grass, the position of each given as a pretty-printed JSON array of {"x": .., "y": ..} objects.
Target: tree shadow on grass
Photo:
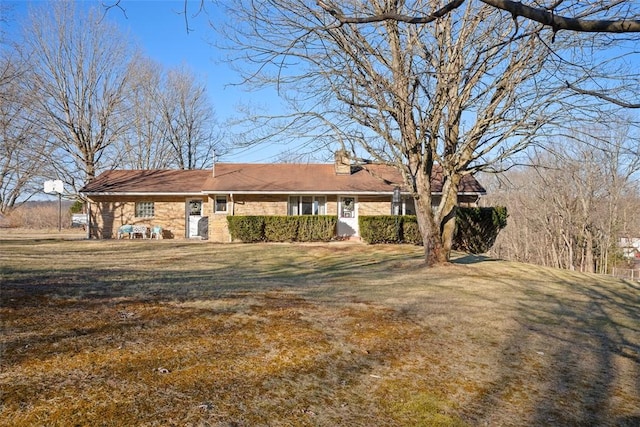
[
  {"x": 574, "y": 357},
  {"x": 467, "y": 259}
]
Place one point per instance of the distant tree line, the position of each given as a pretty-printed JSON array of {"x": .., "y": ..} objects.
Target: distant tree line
[{"x": 572, "y": 208}]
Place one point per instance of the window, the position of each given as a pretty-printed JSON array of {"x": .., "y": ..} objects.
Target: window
[
  {"x": 220, "y": 205},
  {"x": 347, "y": 207},
  {"x": 145, "y": 209},
  {"x": 195, "y": 207},
  {"x": 307, "y": 205},
  {"x": 405, "y": 207},
  {"x": 409, "y": 206}
]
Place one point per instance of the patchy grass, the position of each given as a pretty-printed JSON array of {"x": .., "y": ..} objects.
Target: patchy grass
[{"x": 191, "y": 333}]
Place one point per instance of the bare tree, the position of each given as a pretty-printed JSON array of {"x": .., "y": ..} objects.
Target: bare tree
[
  {"x": 572, "y": 208},
  {"x": 188, "y": 120},
  {"x": 146, "y": 145},
  {"x": 594, "y": 16},
  {"x": 173, "y": 120},
  {"x": 21, "y": 159},
  {"x": 469, "y": 91},
  {"x": 80, "y": 66}
]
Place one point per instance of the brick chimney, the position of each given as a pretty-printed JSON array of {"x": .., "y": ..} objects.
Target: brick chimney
[{"x": 342, "y": 163}]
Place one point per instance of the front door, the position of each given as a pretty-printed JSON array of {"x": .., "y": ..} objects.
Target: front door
[
  {"x": 194, "y": 215},
  {"x": 347, "y": 216}
]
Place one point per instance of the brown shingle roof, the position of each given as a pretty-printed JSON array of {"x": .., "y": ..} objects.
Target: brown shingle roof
[
  {"x": 148, "y": 181},
  {"x": 261, "y": 178}
]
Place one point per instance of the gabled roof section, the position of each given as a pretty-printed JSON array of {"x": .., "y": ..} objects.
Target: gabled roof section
[
  {"x": 156, "y": 181},
  {"x": 253, "y": 178},
  {"x": 301, "y": 178},
  {"x": 317, "y": 178}
]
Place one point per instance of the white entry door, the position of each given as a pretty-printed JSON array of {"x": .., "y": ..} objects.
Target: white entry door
[
  {"x": 194, "y": 215},
  {"x": 347, "y": 216}
]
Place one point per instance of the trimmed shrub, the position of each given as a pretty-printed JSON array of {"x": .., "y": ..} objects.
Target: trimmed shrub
[
  {"x": 478, "y": 228},
  {"x": 280, "y": 228},
  {"x": 246, "y": 228},
  {"x": 305, "y": 228},
  {"x": 316, "y": 228},
  {"x": 411, "y": 231},
  {"x": 380, "y": 228}
]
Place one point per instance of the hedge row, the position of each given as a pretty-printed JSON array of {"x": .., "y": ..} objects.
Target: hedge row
[
  {"x": 389, "y": 229},
  {"x": 476, "y": 228},
  {"x": 304, "y": 228}
]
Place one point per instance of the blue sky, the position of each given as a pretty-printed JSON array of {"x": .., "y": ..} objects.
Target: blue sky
[{"x": 160, "y": 28}]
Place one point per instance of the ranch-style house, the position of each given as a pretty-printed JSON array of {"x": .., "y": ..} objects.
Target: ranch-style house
[{"x": 195, "y": 203}]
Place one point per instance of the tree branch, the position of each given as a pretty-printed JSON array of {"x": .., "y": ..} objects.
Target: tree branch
[
  {"x": 602, "y": 96},
  {"x": 337, "y": 13},
  {"x": 541, "y": 15},
  {"x": 548, "y": 18}
]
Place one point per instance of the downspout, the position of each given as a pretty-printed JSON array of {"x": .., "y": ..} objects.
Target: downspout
[
  {"x": 233, "y": 204},
  {"x": 233, "y": 211},
  {"x": 88, "y": 220}
]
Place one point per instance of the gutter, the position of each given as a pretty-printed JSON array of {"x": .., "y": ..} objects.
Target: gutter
[
  {"x": 310, "y": 193},
  {"x": 137, "y": 193},
  {"x": 330, "y": 193}
]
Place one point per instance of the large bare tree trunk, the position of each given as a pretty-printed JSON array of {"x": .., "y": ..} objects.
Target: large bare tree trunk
[
  {"x": 434, "y": 251},
  {"x": 447, "y": 212}
]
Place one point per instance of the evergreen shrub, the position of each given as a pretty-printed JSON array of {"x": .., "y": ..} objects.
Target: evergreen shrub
[
  {"x": 247, "y": 229},
  {"x": 304, "y": 228}
]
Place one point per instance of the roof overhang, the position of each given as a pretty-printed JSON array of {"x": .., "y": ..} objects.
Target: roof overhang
[
  {"x": 143, "y": 194},
  {"x": 310, "y": 193}
]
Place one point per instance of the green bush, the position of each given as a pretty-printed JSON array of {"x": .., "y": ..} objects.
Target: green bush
[
  {"x": 478, "y": 228},
  {"x": 390, "y": 229},
  {"x": 280, "y": 228},
  {"x": 246, "y": 228},
  {"x": 411, "y": 231},
  {"x": 77, "y": 207},
  {"x": 305, "y": 228},
  {"x": 380, "y": 228},
  {"x": 316, "y": 228}
]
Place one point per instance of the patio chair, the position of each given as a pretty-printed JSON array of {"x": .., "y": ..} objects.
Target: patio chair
[
  {"x": 156, "y": 232},
  {"x": 142, "y": 230},
  {"x": 125, "y": 229}
]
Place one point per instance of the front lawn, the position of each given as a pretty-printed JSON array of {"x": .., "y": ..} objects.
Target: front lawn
[{"x": 194, "y": 333}]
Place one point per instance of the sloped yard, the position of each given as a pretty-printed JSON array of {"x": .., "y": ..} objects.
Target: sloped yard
[{"x": 190, "y": 333}]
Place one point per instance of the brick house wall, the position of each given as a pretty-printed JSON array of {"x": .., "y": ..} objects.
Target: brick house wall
[
  {"x": 250, "y": 204},
  {"x": 170, "y": 213},
  {"x": 108, "y": 213},
  {"x": 374, "y": 205}
]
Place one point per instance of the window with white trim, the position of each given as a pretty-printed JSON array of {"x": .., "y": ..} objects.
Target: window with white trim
[
  {"x": 145, "y": 209},
  {"x": 220, "y": 204},
  {"x": 307, "y": 205},
  {"x": 405, "y": 207}
]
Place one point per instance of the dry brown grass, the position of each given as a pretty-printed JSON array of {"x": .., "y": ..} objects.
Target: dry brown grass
[
  {"x": 38, "y": 215},
  {"x": 191, "y": 333}
]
